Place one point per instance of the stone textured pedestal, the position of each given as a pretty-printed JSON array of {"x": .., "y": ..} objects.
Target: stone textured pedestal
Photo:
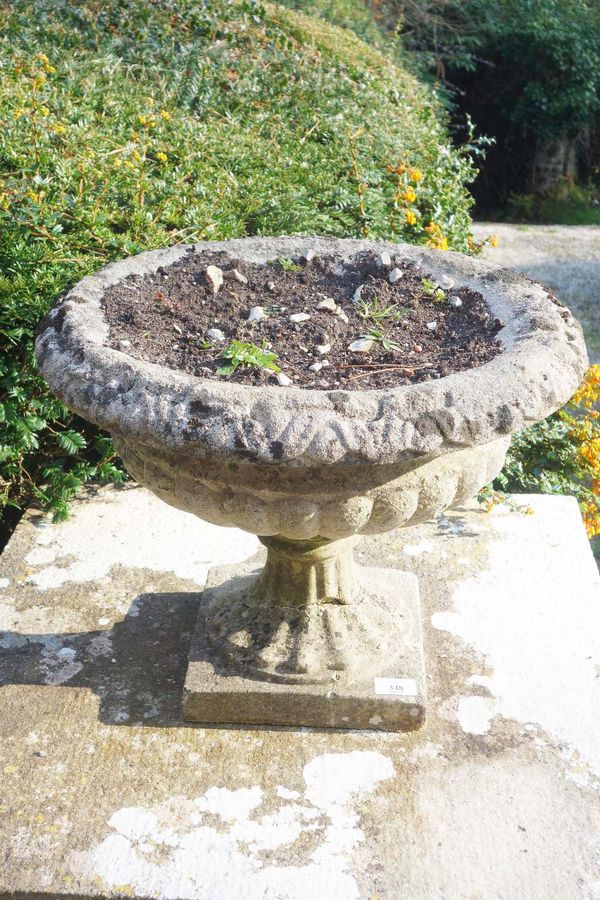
[
  {"x": 106, "y": 792},
  {"x": 393, "y": 699}
]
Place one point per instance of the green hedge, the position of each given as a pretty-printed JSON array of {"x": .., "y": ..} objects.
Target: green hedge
[{"x": 128, "y": 124}]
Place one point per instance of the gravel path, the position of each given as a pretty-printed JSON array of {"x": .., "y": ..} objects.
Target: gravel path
[{"x": 564, "y": 257}]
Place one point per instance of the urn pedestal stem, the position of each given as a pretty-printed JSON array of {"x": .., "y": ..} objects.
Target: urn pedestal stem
[
  {"x": 300, "y": 573},
  {"x": 309, "y": 616}
]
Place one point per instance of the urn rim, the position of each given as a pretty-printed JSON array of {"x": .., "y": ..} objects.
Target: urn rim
[{"x": 539, "y": 370}]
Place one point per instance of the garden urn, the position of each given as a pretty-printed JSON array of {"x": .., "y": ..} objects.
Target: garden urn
[{"x": 305, "y": 635}]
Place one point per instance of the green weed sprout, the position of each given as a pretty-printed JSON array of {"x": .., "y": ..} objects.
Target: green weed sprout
[{"x": 248, "y": 356}]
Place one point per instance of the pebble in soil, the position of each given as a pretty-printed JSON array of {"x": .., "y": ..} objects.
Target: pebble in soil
[{"x": 368, "y": 322}]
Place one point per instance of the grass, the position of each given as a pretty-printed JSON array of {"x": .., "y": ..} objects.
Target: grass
[{"x": 568, "y": 205}]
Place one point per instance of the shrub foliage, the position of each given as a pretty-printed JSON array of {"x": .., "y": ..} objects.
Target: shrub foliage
[
  {"x": 127, "y": 125},
  {"x": 561, "y": 455}
]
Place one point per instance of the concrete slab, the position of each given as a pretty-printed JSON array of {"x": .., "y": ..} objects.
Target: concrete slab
[{"x": 106, "y": 792}]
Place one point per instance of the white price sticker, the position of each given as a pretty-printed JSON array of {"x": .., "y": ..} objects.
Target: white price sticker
[{"x": 398, "y": 687}]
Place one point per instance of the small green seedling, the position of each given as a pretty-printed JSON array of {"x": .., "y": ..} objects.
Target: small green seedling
[
  {"x": 288, "y": 265},
  {"x": 375, "y": 334},
  {"x": 432, "y": 290},
  {"x": 375, "y": 311},
  {"x": 248, "y": 356}
]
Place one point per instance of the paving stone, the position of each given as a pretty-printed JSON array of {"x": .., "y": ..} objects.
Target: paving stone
[{"x": 107, "y": 792}]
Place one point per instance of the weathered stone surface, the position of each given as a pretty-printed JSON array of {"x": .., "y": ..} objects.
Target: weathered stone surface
[
  {"x": 106, "y": 792},
  {"x": 564, "y": 257},
  {"x": 324, "y": 678},
  {"x": 543, "y": 364},
  {"x": 303, "y": 503}
]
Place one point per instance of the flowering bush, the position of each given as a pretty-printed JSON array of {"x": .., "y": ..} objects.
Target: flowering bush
[
  {"x": 140, "y": 125},
  {"x": 561, "y": 455},
  {"x": 127, "y": 125}
]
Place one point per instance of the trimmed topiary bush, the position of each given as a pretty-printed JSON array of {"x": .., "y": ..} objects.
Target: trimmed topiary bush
[{"x": 127, "y": 125}]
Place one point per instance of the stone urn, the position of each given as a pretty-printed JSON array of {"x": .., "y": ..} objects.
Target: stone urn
[{"x": 306, "y": 636}]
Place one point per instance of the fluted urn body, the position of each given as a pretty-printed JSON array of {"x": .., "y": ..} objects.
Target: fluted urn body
[{"x": 311, "y": 470}]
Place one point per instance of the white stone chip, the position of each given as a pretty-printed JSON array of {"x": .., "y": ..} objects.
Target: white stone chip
[
  {"x": 385, "y": 259},
  {"x": 329, "y": 304},
  {"x": 322, "y": 349},
  {"x": 395, "y": 275},
  {"x": 283, "y": 379},
  {"x": 124, "y": 345},
  {"x": 299, "y": 317},
  {"x": 256, "y": 314},
  {"x": 340, "y": 314},
  {"x": 316, "y": 367},
  {"x": 362, "y": 345},
  {"x": 215, "y": 334},
  {"x": 455, "y": 301},
  {"x": 309, "y": 254},
  {"x": 234, "y": 275},
  {"x": 431, "y": 326},
  {"x": 357, "y": 293},
  {"x": 447, "y": 282},
  {"x": 325, "y": 362},
  {"x": 215, "y": 276}
]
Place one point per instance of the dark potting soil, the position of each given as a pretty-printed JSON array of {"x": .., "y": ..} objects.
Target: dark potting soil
[{"x": 409, "y": 330}]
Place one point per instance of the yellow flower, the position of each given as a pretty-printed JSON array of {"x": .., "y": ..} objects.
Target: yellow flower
[
  {"x": 161, "y": 157},
  {"x": 165, "y": 115},
  {"x": 432, "y": 228},
  {"x": 439, "y": 242},
  {"x": 18, "y": 113},
  {"x": 117, "y": 163},
  {"x": 590, "y": 452},
  {"x": 410, "y": 217},
  {"x": 415, "y": 174},
  {"x": 493, "y": 240},
  {"x": 46, "y": 62},
  {"x": 146, "y": 121},
  {"x": 57, "y": 128},
  {"x": 589, "y": 392},
  {"x": 44, "y": 111},
  {"x": 409, "y": 195}
]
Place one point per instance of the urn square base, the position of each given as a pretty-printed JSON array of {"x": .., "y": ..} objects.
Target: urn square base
[{"x": 390, "y": 698}]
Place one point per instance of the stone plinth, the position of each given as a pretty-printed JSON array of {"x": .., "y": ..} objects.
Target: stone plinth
[
  {"x": 107, "y": 792},
  {"x": 389, "y": 694}
]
